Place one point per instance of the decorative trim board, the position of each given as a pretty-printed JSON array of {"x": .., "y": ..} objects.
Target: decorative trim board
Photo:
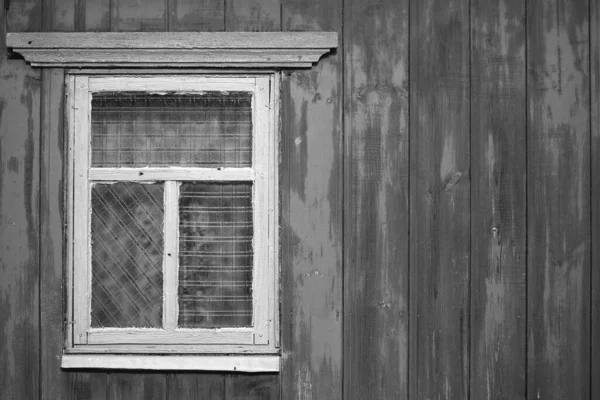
[
  {"x": 171, "y": 362},
  {"x": 172, "y": 49}
]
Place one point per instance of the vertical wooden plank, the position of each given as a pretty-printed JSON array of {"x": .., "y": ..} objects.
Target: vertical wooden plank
[
  {"x": 252, "y": 387},
  {"x": 58, "y": 15},
  {"x": 23, "y": 16},
  {"x": 143, "y": 386},
  {"x": 311, "y": 182},
  {"x": 84, "y": 385},
  {"x": 253, "y": 15},
  {"x": 197, "y": 15},
  {"x": 19, "y": 215},
  {"x": 558, "y": 210},
  {"x": 376, "y": 208},
  {"x": 595, "y": 208},
  {"x": 498, "y": 200},
  {"x": 133, "y": 15},
  {"x": 196, "y": 386},
  {"x": 93, "y": 15},
  {"x": 52, "y": 214},
  {"x": 440, "y": 189}
]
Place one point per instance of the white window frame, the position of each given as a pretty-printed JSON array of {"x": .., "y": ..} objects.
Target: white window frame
[{"x": 260, "y": 339}]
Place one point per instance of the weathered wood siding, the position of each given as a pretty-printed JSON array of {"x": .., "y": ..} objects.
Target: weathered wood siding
[{"x": 440, "y": 193}]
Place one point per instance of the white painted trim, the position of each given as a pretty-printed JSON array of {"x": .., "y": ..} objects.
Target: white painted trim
[
  {"x": 274, "y": 221},
  {"x": 171, "y": 349},
  {"x": 70, "y": 123},
  {"x": 261, "y": 275},
  {"x": 171, "y": 173},
  {"x": 180, "y": 84},
  {"x": 134, "y": 336},
  {"x": 262, "y": 337},
  {"x": 171, "y": 256},
  {"x": 171, "y": 362},
  {"x": 241, "y": 49},
  {"x": 81, "y": 210}
]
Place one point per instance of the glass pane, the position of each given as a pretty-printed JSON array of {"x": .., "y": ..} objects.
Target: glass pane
[
  {"x": 127, "y": 255},
  {"x": 215, "y": 255},
  {"x": 137, "y": 129}
]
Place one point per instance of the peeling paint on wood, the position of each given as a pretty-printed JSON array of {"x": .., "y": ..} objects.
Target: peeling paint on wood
[
  {"x": 196, "y": 15},
  {"x": 498, "y": 201},
  {"x": 440, "y": 210},
  {"x": 376, "y": 200},
  {"x": 253, "y": 15},
  {"x": 312, "y": 215},
  {"x": 558, "y": 199},
  {"x": 19, "y": 228},
  {"x": 134, "y": 15}
]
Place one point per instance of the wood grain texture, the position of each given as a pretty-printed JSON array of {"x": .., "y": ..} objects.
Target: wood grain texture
[
  {"x": 595, "y": 182},
  {"x": 196, "y": 386},
  {"x": 253, "y": 15},
  {"x": 52, "y": 215},
  {"x": 376, "y": 200},
  {"x": 58, "y": 15},
  {"x": 19, "y": 212},
  {"x": 311, "y": 215},
  {"x": 23, "y": 16},
  {"x": 19, "y": 225},
  {"x": 196, "y": 15},
  {"x": 133, "y": 15},
  {"x": 252, "y": 387},
  {"x": 93, "y": 15},
  {"x": 84, "y": 386},
  {"x": 440, "y": 189},
  {"x": 558, "y": 196},
  {"x": 142, "y": 386},
  {"x": 498, "y": 200}
]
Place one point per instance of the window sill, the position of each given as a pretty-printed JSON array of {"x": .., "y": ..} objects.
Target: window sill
[{"x": 172, "y": 362}]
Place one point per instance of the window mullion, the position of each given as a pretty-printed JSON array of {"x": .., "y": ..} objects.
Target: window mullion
[{"x": 170, "y": 278}]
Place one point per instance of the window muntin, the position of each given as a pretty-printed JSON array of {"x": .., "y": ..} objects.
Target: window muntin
[{"x": 121, "y": 148}]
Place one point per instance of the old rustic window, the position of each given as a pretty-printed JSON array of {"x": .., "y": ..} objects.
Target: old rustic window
[
  {"x": 172, "y": 200},
  {"x": 174, "y": 214}
]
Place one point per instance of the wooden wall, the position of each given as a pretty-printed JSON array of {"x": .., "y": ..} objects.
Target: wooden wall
[{"x": 440, "y": 202}]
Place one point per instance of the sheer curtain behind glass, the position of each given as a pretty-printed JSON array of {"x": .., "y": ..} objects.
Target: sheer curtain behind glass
[{"x": 208, "y": 130}]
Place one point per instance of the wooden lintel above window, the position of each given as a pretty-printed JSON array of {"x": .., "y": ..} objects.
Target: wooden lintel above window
[{"x": 173, "y": 49}]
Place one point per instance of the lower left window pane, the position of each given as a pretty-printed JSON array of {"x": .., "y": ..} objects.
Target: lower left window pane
[{"x": 127, "y": 243}]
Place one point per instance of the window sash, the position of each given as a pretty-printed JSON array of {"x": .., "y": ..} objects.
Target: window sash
[{"x": 264, "y": 205}]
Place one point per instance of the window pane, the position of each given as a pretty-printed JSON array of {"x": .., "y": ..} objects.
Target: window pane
[
  {"x": 136, "y": 129},
  {"x": 215, "y": 255},
  {"x": 127, "y": 255}
]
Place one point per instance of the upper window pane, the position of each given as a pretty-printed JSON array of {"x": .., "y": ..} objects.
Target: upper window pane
[{"x": 138, "y": 129}]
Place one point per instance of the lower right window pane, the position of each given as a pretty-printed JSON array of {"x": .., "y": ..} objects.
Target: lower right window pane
[{"x": 215, "y": 255}]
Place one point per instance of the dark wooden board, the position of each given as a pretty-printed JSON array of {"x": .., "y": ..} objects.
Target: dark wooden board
[
  {"x": 595, "y": 208},
  {"x": 196, "y": 386},
  {"x": 23, "y": 16},
  {"x": 311, "y": 214},
  {"x": 253, "y": 15},
  {"x": 132, "y": 15},
  {"x": 440, "y": 190},
  {"x": 93, "y": 15},
  {"x": 52, "y": 214},
  {"x": 58, "y": 15},
  {"x": 252, "y": 387},
  {"x": 196, "y": 15},
  {"x": 498, "y": 200},
  {"x": 142, "y": 386},
  {"x": 558, "y": 197},
  {"x": 376, "y": 200},
  {"x": 19, "y": 212}
]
